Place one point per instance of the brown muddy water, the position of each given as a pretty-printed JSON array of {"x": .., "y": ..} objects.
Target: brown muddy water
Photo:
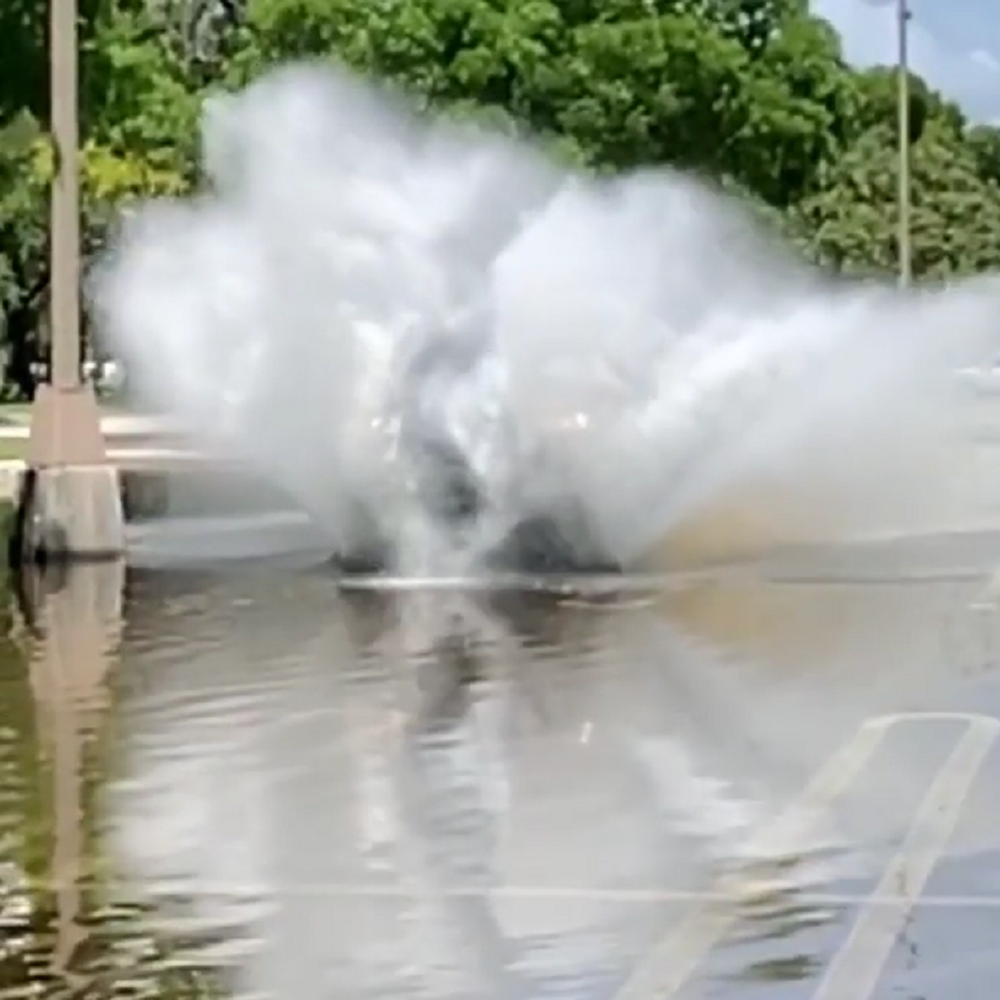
[{"x": 253, "y": 783}]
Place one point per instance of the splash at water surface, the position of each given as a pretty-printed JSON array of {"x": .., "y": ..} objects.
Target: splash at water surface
[{"x": 433, "y": 337}]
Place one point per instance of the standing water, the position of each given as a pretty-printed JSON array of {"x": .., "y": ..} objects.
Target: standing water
[{"x": 261, "y": 785}]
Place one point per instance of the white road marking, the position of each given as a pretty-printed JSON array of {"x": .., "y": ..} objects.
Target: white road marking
[
  {"x": 672, "y": 963},
  {"x": 669, "y": 966},
  {"x": 855, "y": 970},
  {"x": 571, "y": 893}
]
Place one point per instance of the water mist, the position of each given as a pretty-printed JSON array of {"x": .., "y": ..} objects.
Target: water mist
[{"x": 386, "y": 313}]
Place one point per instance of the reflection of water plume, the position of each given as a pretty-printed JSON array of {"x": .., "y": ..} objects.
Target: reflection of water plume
[
  {"x": 384, "y": 785},
  {"x": 479, "y": 788},
  {"x": 632, "y": 347}
]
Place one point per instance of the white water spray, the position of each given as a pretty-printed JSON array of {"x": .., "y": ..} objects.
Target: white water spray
[{"x": 357, "y": 291}]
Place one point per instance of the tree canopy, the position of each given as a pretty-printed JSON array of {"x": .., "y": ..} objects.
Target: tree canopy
[{"x": 755, "y": 93}]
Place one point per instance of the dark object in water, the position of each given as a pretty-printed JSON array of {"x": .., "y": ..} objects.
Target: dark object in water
[
  {"x": 536, "y": 545},
  {"x": 556, "y": 542},
  {"x": 451, "y": 493},
  {"x": 448, "y": 488}
]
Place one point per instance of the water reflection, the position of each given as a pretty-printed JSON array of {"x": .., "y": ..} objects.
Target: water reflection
[
  {"x": 69, "y": 630},
  {"x": 499, "y": 794},
  {"x": 415, "y": 747},
  {"x": 309, "y": 793}
]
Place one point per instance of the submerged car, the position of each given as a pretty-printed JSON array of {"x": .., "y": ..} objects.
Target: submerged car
[
  {"x": 544, "y": 538},
  {"x": 451, "y": 477}
]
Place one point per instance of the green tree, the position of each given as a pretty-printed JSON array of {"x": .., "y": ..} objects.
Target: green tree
[
  {"x": 984, "y": 142},
  {"x": 879, "y": 103},
  {"x": 799, "y": 111},
  {"x": 702, "y": 85},
  {"x": 755, "y": 92},
  {"x": 139, "y": 110},
  {"x": 23, "y": 244},
  {"x": 955, "y": 219}
]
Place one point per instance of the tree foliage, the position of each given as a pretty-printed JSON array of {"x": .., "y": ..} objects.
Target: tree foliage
[
  {"x": 983, "y": 142},
  {"x": 753, "y": 92},
  {"x": 955, "y": 216}
]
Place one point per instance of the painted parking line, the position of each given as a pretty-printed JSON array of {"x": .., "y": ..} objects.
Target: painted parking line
[
  {"x": 556, "y": 893},
  {"x": 855, "y": 971},
  {"x": 240, "y": 891},
  {"x": 673, "y": 962}
]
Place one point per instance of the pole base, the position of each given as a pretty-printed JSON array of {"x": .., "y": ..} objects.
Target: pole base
[
  {"x": 70, "y": 506},
  {"x": 66, "y": 427},
  {"x": 69, "y": 513}
]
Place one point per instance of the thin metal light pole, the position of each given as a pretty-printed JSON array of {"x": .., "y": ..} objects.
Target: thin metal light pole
[
  {"x": 903, "y": 115},
  {"x": 65, "y": 233}
]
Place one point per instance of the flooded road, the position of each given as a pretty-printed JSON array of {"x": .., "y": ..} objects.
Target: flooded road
[{"x": 775, "y": 783}]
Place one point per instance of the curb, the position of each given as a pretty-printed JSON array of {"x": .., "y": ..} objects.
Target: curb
[{"x": 11, "y": 471}]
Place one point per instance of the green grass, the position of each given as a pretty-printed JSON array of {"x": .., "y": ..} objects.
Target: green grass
[
  {"x": 20, "y": 413},
  {"x": 15, "y": 413},
  {"x": 11, "y": 448}
]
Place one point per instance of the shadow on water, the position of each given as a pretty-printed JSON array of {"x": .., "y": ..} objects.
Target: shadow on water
[{"x": 261, "y": 785}]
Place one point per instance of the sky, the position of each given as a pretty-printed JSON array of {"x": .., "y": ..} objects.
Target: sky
[{"x": 954, "y": 44}]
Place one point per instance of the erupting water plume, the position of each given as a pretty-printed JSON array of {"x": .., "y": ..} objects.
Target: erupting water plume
[{"x": 435, "y": 338}]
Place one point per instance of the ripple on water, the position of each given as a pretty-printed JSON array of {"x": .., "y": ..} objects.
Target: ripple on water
[{"x": 485, "y": 794}]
